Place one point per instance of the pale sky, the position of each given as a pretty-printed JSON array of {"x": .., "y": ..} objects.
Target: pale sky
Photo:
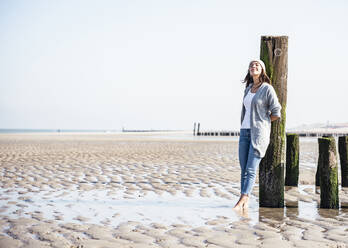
[{"x": 158, "y": 64}]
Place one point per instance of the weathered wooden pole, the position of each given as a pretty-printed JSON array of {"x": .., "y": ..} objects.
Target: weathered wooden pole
[
  {"x": 343, "y": 150},
  {"x": 274, "y": 53},
  {"x": 320, "y": 164},
  {"x": 328, "y": 173},
  {"x": 194, "y": 129},
  {"x": 292, "y": 159}
]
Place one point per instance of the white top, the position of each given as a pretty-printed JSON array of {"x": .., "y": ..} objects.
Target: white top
[{"x": 247, "y": 104}]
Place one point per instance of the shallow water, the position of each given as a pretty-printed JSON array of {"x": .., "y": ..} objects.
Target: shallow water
[{"x": 101, "y": 207}]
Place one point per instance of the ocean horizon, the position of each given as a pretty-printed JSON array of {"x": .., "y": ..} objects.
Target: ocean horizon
[{"x": 29, "y": 130}]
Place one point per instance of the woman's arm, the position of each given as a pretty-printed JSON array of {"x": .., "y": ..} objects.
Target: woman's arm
[{"x": 274, "y": 117}]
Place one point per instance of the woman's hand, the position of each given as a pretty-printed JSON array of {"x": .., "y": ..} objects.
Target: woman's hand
[{"x": 273, "y": 117}]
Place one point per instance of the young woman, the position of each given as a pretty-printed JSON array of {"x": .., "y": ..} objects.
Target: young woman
[{"x": 260, "y": 107}]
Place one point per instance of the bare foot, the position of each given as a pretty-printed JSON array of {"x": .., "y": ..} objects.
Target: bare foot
[
  {"x": 246, "y": 203},
  {"x": 238, "y": 207},
  {"x": 239, "y": 204},
  {"x": 244, "y": 199}
]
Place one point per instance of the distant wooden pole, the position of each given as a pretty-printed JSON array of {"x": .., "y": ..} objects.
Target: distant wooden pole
[
  {"x": 274, "y": 53},
  {"x": 198, "y": 133},
  {"x": 328, "y": 173},
  {"x": 292, "y": 160},
  {"x": 343, "y": 150},
  {"x": 194, "y": 129}
]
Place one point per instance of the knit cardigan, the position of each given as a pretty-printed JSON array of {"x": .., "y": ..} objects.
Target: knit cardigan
[{"x": 265, "y": 103}]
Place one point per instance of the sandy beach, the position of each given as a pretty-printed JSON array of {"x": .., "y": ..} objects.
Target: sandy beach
[{"x": 136, "y": 190}]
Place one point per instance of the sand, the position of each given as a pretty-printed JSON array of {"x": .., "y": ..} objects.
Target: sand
[{"x": 168, "y": 190}]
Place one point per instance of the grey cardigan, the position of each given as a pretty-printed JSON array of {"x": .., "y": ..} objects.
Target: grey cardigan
[{"x": 265, "y": 103}]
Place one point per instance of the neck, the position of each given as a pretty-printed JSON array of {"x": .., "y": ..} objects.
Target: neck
[{"x": 256, "y": 80}]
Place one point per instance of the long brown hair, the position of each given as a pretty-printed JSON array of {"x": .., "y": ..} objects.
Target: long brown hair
[{"x": 263, "y": 78}]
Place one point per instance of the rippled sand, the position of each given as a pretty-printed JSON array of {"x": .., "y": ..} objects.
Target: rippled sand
[{"x": 150, "y": 190}]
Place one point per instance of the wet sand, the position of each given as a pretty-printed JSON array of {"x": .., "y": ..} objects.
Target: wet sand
[{"x": 150, "y": 190}]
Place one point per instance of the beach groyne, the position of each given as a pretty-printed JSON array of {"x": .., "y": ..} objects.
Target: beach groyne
[{"x": 299, "y": 133}]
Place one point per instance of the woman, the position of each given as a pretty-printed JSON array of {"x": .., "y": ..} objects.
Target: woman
[{"x": 260, "y": 108}]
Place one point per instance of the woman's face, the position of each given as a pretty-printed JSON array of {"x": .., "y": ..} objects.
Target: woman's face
[{"x": 255, "y": 69}]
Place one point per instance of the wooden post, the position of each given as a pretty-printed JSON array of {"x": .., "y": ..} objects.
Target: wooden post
[
  {"x": 319, "y": 165},
  {"x": 194, "y": 129},
  {"x": 274, "y": 53},
  {"x": 343, "y": 150},
  {"x": 198, "y": 133},
  {"x": 292, "y": 160},
  {"x": 328, "y": 173}
]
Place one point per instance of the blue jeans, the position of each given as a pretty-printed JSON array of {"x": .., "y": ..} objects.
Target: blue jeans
[{"x": 248, "y": 162}]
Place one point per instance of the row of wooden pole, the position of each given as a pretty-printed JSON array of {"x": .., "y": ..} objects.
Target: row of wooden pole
[
  {"x": 327, "y": 169},
  {"x": 197, "y": 132},
  {"x": 212, "y": 133}
]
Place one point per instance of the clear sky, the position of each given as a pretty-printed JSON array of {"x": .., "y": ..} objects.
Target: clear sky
[{"x": 158, "y": 64}]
